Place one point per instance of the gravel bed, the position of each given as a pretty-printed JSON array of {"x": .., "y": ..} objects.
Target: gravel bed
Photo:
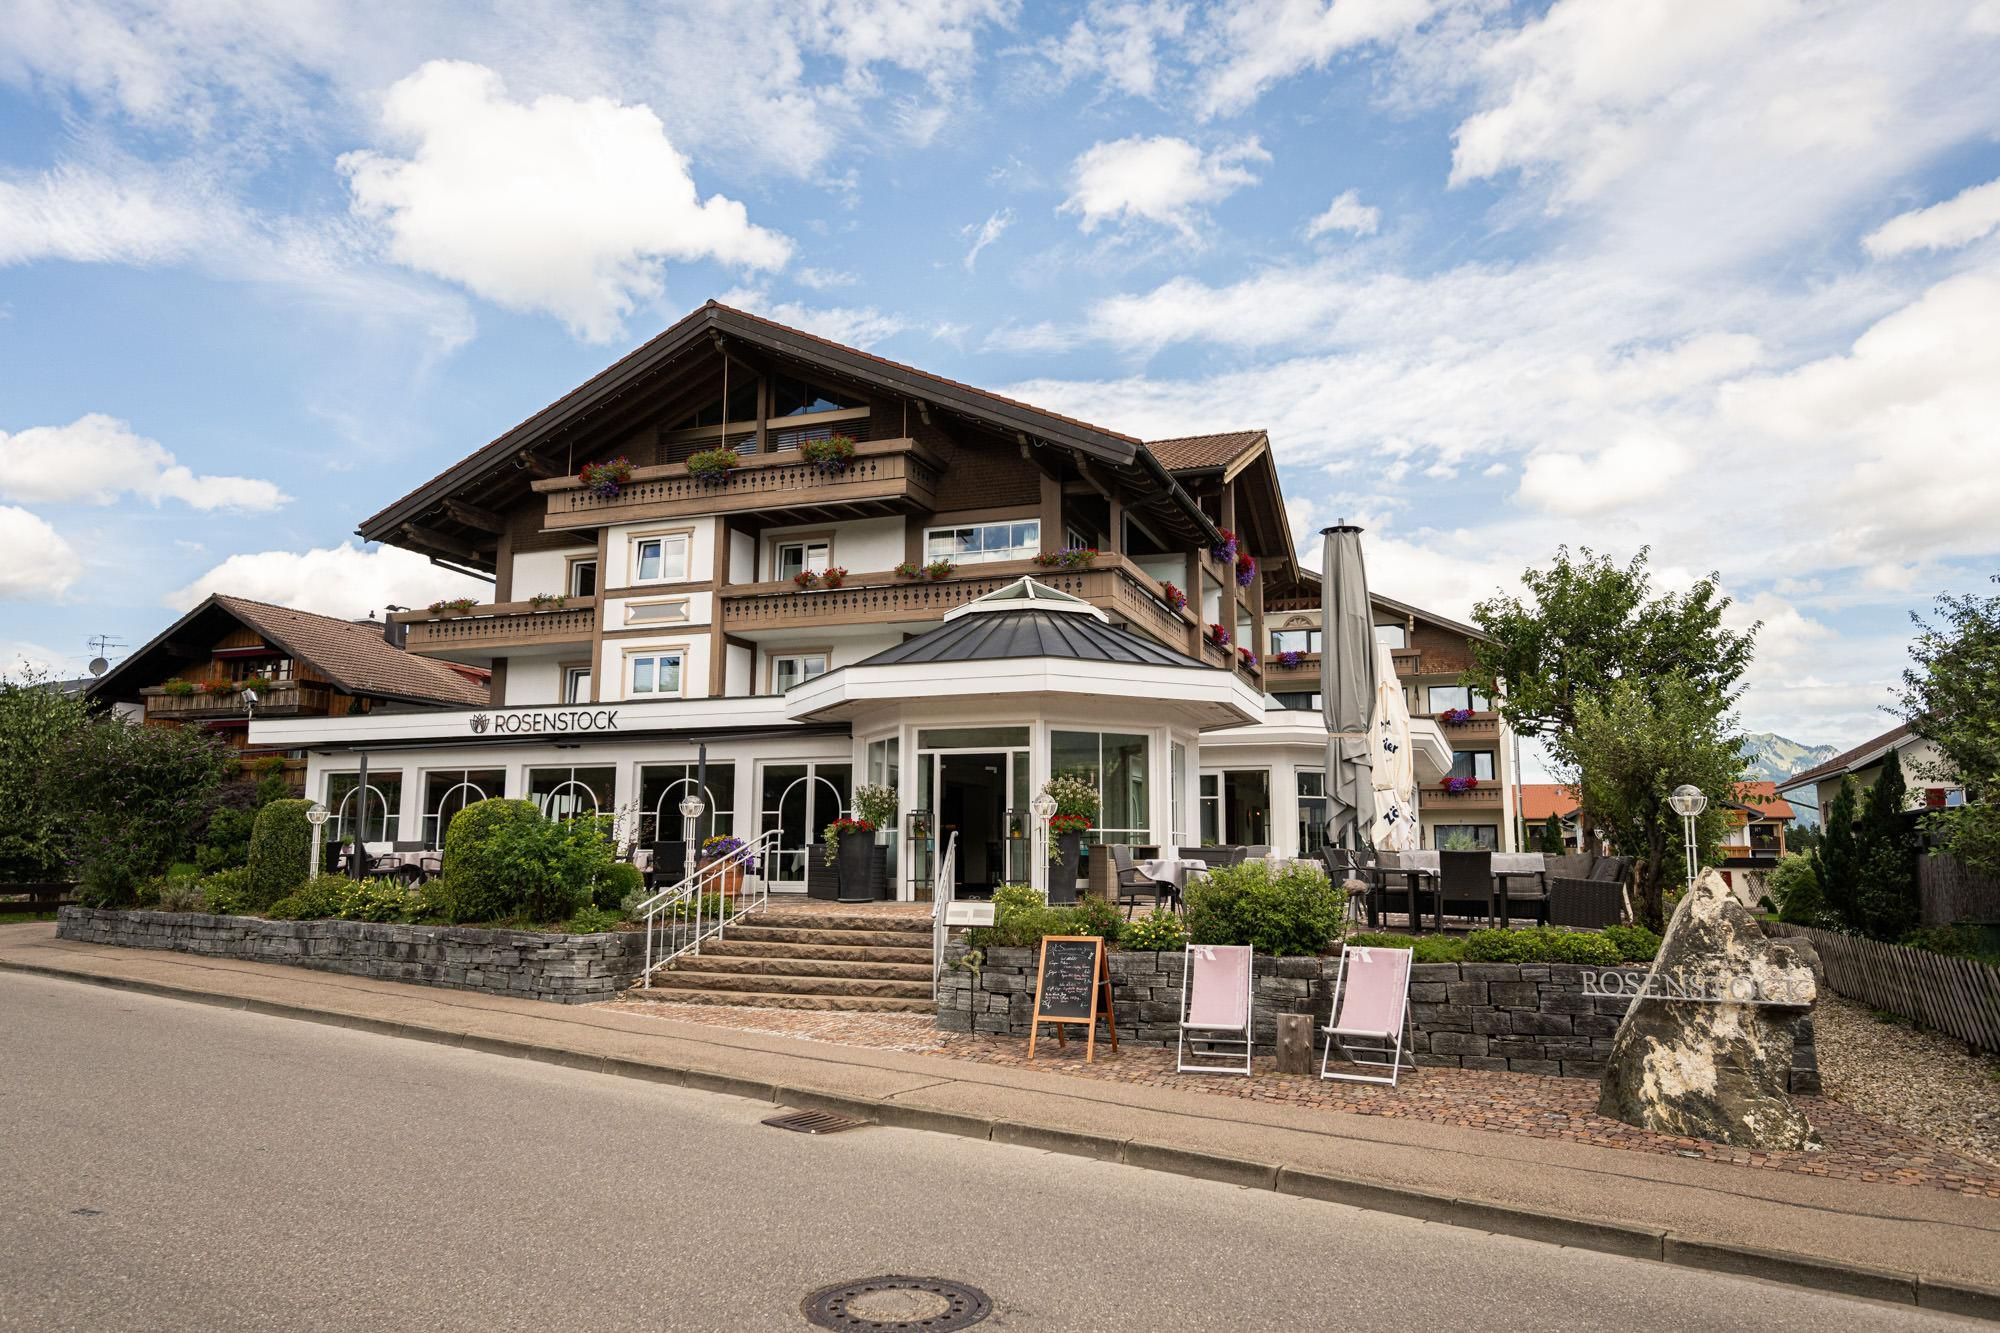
[{"x": 1920, "y": 1081}]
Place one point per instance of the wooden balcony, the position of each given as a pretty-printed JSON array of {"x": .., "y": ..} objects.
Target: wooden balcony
[
  {"x": 1486, "y": 796},
  {"x": 1112, "y": 584},
  {"x": 500, "y": 626},
  {"x": 886, "y": 477},
  {"x": 283, "y": 699},
  {"x": 1478, "y": 727}
]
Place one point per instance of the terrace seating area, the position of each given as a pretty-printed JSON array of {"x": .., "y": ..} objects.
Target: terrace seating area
[{"x": 1579, "y": 891}]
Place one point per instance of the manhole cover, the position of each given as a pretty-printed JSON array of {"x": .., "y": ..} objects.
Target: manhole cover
[
  {"x": 814, "y": 1122},
  {"x": 889, "y": 1303}
]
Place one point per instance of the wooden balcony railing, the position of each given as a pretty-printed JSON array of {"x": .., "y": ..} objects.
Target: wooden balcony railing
[
  {"x": 1113, "y": 584},
  {"x": 500, "y": 625},
  {"x": 284, "y": 698},
  {"x": 886, "y": 476},
  {"x": 1486, "y": 796},
  {"x": 1478, "y": 727}
]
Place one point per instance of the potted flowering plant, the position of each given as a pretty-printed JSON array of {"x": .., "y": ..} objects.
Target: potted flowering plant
[
  {"x": 453, "y": 606},
  {"x": 1224, "y": 550},
  {"x": 547, "y": 601},
  {"x": 1218, "y": 635},
  {"x": 806, "y": 578},
  {"x": 1457, "y": 785},
  {"x": 261, "y": 684},
  {"x": 1291, "y": 658},
  {"x": 909, "y": 569},
  {"x": 1246, "y": 569},
  {"x": 1249, "y": 658},
  {"x": 833, "y": 576},
  {"x": 729, "y": 879},
  {"x": 1070, "y": 557},
  {"x": 831, "y": 455},
  {"x": 603, "y": 480},
  {"x": 1453, "y": 717},
  {"x": 939, "y": 569},
  {"x": 1175, "y": 597},
  {"x": 180, "y": 689},
  {"x": 712, "y": 465},
  {"x": 1075, "y": 815}
]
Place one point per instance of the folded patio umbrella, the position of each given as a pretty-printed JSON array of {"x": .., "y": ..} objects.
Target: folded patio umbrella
[
  {"x": 1347, "y": 687},
  {"x": 1395, "y": 767}
]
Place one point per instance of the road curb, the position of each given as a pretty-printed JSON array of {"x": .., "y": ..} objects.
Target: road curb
[{"x": 1627, "y": 1241}]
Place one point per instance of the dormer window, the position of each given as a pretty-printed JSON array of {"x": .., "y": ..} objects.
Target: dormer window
[{"x": 797, "y": 398}]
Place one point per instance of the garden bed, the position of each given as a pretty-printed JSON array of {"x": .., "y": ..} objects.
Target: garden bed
[
  {"x": 1524, "y": 1017},
  {"x": 565, "y": 969}
]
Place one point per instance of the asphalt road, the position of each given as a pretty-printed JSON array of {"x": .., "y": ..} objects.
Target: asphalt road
[{"x": 175, "y": 1166}]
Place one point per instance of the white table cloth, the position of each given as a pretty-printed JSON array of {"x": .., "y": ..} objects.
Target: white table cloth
[{"x": 1171, "y": 870}]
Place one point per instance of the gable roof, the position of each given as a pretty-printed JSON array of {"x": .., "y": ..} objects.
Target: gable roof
[
  {"x": 1762, "y": 800},
  {"x": 353, "y": 655},
  {"x": 713, "y": 323},
  {"x": 1860, "y": 756},
  {"x": 1539, "y": 800},
  {"x": 1203, "y": 453}
]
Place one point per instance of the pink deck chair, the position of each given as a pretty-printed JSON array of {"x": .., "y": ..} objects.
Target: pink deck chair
[
  {"x": 1216, "y": 1009},
  {"x": 1371, "y": 1000}
]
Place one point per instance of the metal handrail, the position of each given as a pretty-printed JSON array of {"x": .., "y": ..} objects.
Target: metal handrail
[
  {"x": 677, "y": 920},
  {"x": 943, "y": 884}
]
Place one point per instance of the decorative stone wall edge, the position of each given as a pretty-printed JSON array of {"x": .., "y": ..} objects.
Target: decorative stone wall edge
[
  {"x": 1528, "y": 1018},
  {"x": 565, "y": 969}
]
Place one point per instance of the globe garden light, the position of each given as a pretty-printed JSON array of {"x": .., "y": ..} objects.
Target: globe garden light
[
  {"x": 1043, "y": 807},
  {"x": 691, "y": 810},
  {"x": 1688, "y": 802},
  {"x": 316, "y": 815}
]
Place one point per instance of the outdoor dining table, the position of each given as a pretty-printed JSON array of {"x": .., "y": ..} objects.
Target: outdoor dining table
[{"x": 1172, "y": 872}]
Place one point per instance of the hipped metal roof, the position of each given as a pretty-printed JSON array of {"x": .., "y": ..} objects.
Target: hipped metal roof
[{"x": 1002, "y": 635}]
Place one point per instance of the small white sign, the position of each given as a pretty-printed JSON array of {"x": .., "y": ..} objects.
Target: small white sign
[{"x": 968, "y": 914}]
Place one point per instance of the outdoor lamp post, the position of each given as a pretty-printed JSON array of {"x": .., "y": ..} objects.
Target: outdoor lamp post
[
  {"x": 317, "y": 817},
  {"x": 1688, "y": 802},
  {"x": 1043, "y": 808},
  {"x": 691, "y": 810}
]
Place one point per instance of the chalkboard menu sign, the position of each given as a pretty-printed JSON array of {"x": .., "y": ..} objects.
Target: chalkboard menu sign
[{"x": 1073, "y": 985}]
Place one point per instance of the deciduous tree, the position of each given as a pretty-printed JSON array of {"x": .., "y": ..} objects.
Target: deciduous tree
[
  {"x": 37, "y": 722},
  {"x": 1951, "y": 695}
]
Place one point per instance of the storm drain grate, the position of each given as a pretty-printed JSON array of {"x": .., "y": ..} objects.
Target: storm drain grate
[
  {"x": 814, "y": 1122},
  {"x": 898, "y": 1303}
]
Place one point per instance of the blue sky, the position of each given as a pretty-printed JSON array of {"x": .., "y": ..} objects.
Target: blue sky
[{"x": 1721, "y": 278}]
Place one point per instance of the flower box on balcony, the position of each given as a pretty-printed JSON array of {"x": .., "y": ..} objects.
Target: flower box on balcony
[
  {"x": 1455, "y": 717},
  {"x": 1291, "y": 659},
  {"x": 457, "y": 606},
  {"x": 1070, "y": 557},
  {"x": 1457, "y": 786},
  {"x": 547, "y": 601},
  {"x": 712, "y": 465},
  {"x": 1175, "y": 598},
  {"x": 605, "y": 479},
  {"x": 834, "y": 454}
]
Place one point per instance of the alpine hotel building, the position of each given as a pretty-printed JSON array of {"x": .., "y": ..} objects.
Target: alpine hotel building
[{"x": 814, "y": 627}]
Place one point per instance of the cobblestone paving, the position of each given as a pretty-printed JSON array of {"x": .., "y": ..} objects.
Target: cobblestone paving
[{"x": 1858, "y": 1147}]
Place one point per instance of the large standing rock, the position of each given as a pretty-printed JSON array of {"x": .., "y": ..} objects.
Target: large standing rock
[{"x": 1713, "y": 1070}]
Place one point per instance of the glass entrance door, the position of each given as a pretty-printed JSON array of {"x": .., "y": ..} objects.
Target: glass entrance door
[
  {"x": 982, "y": 797},
  {"x": 800, "y": 800}
]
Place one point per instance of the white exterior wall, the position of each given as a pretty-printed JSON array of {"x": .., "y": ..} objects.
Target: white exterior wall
[
  {"x": 863, "y": 546},
  {"x": 542, "y": 572},
  {"x": 533, "y": 680},
  {"x": 613, "y": 679}
]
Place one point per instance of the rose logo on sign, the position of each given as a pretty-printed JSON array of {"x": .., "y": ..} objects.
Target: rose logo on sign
[
  {"x": 538, "y": 723},
  {"x": 478, "y": 724}
]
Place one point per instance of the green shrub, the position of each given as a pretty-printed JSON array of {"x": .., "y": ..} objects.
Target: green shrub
[
  {"x": 379, "y": 900},
  {"x": 1021, "y": 918},
  {"x": 1439, "y": 949},
  {"x": 146, "y": 893},
  {"x": 280, "y": 851},
  {"x": 225, "y": 892},
  {"x": 1295, "y": 911},
  {"x": 1159, "y": 930},
  {"x": 1583, "y": 948},
  {"x": 1501, "y": 946},
  {"x": 503, "y": 860},
  {"x": 1382, "y": 939},
  {"x": 1635, "y": 944},
  {"x": 1979, "y": 943},
  {"x": 317, "y": 899},
  {"x": 181, "y": 892},
  {"x": 136, "y": 797},
  {"x": 620, "y": 880},
  {"x": 592, "y": 921},
  {"x": 1095, "y": 916},
  {"x": 1794, "y": 887}
]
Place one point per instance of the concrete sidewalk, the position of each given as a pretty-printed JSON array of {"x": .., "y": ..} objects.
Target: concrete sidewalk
[{"x": 1930, "y": 1247}]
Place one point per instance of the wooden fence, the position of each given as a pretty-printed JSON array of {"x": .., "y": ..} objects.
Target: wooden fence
[
  {"x": 1956, "y": 996},
  {"x": 1950, "y": 893}
]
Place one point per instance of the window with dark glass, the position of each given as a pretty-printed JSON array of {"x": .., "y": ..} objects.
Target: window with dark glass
[
  {"x": 797, "y": 398},
  {"x": 1472, "y": 764},
  {"x": 1295, "y": 641}
]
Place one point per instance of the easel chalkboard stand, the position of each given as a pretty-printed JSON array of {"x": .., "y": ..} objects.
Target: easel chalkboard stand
[{"x": 1081, "y": 990}]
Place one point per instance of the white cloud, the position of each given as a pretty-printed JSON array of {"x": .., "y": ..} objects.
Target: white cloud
[
  {"x": 563, "y": 205},
  {"x": 1346, "y": 213},
  {"x": 820, "y": 279},
  {"x": 985, "y": 233},
  {"x": 87, "y": 216},
  {"x": 1120, "y": 40},
  {"x": 342, "y": 580},
  {"x": 36, "y": 564},
  {"x": 1622, "y": 473},
  {"x": 856, "y": 326},
  {"x": 1960, "y": 220},
  {"x": 1162, "y": 179},
  {"x": 97, "y": 458},
  {"x": 1262, "y": 42}
]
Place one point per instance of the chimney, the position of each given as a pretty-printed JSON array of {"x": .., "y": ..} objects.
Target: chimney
[{"x": 394, "y": 632}]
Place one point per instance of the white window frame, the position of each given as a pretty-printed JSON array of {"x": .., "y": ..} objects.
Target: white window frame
[
  {"x": 805, "y": 546},
  {"x": 574, "y": 567},
  {"x": 570, "y": 694},
  {"x": 634, "y": 656},
  {"x": 777, "y": 660},
  {"x": 636, "y": 554},
  {"x": 1028, "y": 552}
]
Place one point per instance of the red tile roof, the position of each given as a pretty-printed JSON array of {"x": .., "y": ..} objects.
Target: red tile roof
[
  {"x": 1539, "y": 800},
  {"x": 1849, "y": 760},
  {"x": 1197, "y": 453},
  {"x": 355, "y": 656},
  {"x": 1764, "y": 798}
]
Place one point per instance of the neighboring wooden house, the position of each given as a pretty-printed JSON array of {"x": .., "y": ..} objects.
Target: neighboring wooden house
[
  {"x": 231, "y": 659},
  {"x": 1816, "y": 787}
]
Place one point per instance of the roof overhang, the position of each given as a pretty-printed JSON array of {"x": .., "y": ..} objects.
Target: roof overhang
[
  {"x": 1306, "y": 730},
  {"x": 1210, "y": 699},
  {"x": 556, "y": 723}
]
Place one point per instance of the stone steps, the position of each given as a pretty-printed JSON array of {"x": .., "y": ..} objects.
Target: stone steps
[
  {"x": 794, "y": 958},
  {"x": 734, "y": 946},
  {"x": 770, "y": 1000},
  {"x": 788, "y": 934},
  {"x": 901, "y": 988},
  {"x": 783, "y": 966}
]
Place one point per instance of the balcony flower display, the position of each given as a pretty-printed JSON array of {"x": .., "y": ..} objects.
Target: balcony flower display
[
  {"x": 832, "y": 455},
  {"x": 1246, "y": 569},
  {"x": 939, "y": 569},
  {"x": 604, "y": 480},
  {"x": 453, "y": 606},
  {"x": 1175, "y": 597},
  {"x": 806, "y": 578},
  {"x": 1249, "y": 658},
  {"x": 261, "y": 684},
  {"x": 547, "y": 601},
  {"x": 840, "y": 828},
  {"x": 1070, "y": 557},
  {"x": 180, "y": 689},
  {"x": 1457, "y": 785},
  {"x": 1291, "y": 658},
  {"x": 833, "y": 576},
  {"x": 712, "y": 465},
  {"x": 1218, "y": 635},
  {"x": 1224, "y": 550},
  {"x": 1453, "y": 717}
]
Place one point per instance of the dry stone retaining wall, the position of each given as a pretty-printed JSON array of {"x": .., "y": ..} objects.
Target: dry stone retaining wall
[
  {"x": 1530, "y": 1018},
  {"x": 567, "y": 969}
]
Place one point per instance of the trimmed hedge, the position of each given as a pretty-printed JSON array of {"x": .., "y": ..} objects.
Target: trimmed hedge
[
  {"x": 1296, "y": 911},
  {"x": 280, "y": 852},
  {"x": 1605, "y": 948},
  {"x": 503, "y": 861}
]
